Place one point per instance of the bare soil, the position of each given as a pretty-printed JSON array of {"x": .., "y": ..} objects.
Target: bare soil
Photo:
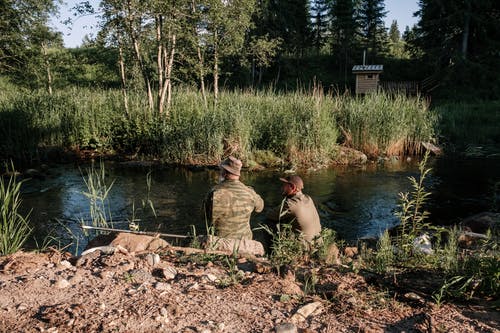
[{"x": 119, "y": 292}]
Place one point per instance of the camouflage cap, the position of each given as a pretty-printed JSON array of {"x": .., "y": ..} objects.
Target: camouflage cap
[
  {"x": 295, "y": 180},
  {"x": 232, "y": 165}
]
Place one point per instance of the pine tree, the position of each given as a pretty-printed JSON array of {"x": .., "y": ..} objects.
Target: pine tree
[
  {"x": 396, "y": 44},
  {"x": 461, "y": 39},
  {"x": 371, "y": 18},
  {"x": 320, "y": 12},
  {"x": 289, "y": 21},
  {"x": 344, "y": 35}
]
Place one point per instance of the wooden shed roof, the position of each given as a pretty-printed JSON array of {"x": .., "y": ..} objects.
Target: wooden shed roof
[{"x": 367, "y": 68}]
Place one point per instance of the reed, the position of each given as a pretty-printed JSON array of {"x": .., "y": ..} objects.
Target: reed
[
  {"x": 300, "y": 127},
  {"x": 14, "y": 227},
  {"x": 97, "y": 194},
  {"x": 470, "y": 123},
  {"x": 386, "y": 124}
]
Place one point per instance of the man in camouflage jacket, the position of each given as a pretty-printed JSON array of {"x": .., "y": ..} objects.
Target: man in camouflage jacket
[{"x": 229, "y": 205}]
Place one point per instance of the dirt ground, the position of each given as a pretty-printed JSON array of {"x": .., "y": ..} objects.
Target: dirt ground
[{"x": 173, "y": 292}]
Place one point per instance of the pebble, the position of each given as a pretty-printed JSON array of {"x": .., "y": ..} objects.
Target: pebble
[
  {"x": 211, "y": 277},
  {"x": 163, "y": 311},
  {"x": 193, "y": 286},
  {"x": 414, "y": 297},
  {"x": 161, "y": 286},
  {"x": 22, "y": 307},
  {"x": 276, "y": 313},
  {"x": 203, "y": 330},
  {"x": 153, "y": 259},
  {"x": 306, "y": 311},
  {"x": 65, "y": 264},
  {"x": 286, "y": 328},
  {"x": 169, "y": 273},
  {"x": 61, "y": 284}
]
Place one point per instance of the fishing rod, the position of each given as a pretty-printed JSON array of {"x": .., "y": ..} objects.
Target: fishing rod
[{"x": 148, "y": 233}]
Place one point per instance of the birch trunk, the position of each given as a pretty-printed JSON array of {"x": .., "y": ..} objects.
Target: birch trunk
[
  {"x": 121, "y": 62},
  {"x": 160, "y": 63},
  {"x": 47, "y": 67},
  {"x": 465, "y": 34},
  {"x": 200, "y": 60},
  {"x": 138, "y": 57},
  {"x": 216, "y": 69}
]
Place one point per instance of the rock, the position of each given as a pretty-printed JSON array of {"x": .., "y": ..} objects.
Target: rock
[
  {"x": 65, "y": 264},
  {"x": 306, "y": 311},
  {"x": 152, "y": 259},
  {"x": 350, "y": 251},
  {"x": 414, "y": 297},
  {"x": 139, "y": 276},
  {"x": 61, "y": 284},
  {"x": 161, "y": 286},
  {"x": 138, "y": 243},
  {"x": 332, "y": 256},
  {"x": 432, "y": 148},
  {"x": 103, "y": 249},
  {"x": 203, "y": 330},
  {"x": 350, "y": 156},
  {"x": 422, "y": 245},
  {"x": 286, "y": 328},
  {"x": 211, "y": 277},
  {"x": 169, "y": 273},
  {"x": 480, "y": 223},
  {"x": 106, "y": 275},
  {"x": 470, "y": 239},
  {"x": 22, "y": 307}
]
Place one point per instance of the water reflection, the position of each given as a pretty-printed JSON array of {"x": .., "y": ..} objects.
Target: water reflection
[{"x": 356, "y": 202}]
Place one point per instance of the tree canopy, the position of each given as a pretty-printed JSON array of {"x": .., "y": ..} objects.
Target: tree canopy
[{"x": 155, "y": 44}]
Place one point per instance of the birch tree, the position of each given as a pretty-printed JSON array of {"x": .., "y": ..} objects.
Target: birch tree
[{"x": 226, "y": 23}]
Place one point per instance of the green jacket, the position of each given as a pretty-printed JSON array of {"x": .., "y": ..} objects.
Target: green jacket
[
  {"x": 300, "y": 211},
  {"x": 229, "y": 205}
]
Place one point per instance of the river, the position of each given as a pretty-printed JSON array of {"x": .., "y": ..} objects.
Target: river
[{"x": 356, "y": 201}]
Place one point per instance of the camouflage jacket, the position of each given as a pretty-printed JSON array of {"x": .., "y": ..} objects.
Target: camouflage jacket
[{"x": 228, "y": 207}]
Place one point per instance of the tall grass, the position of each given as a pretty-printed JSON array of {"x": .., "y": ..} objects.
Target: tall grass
[
  {"x": 14, "y": 228},
  {"x": 470, "y": 123},
  {"x": 300, "y": 127},
  {"x": 386, "y": 124},
  {"x": 98, "y": 189}
]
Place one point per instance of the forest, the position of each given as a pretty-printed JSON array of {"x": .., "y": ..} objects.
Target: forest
[{"x": 154, "y": 46}]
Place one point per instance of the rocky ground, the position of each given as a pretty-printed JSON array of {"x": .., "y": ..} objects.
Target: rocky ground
[{"x": 174, "y": 291}]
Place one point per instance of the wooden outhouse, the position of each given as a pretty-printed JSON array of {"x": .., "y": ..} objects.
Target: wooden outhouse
[{"x": 367, "y": 77}]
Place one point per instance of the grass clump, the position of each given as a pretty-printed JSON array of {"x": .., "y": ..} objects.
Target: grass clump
[
  {"x": 97, "y": 193},
  {"x": 14, "y": 227},
  {"x": 386, "y": 124}
]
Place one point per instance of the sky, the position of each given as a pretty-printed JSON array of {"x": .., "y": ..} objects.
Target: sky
[{"x": 399, "y": 10}]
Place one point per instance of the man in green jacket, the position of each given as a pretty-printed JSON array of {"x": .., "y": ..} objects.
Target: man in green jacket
[
  {"x": 229, "y": 205},
  {"x": 297, "y": 209}
]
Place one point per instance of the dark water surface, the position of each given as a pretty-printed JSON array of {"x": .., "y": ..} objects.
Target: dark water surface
[{"x": 356, "y": 202}]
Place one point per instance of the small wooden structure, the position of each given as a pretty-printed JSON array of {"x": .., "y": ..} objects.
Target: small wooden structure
[{"x": 367, "y": 77}]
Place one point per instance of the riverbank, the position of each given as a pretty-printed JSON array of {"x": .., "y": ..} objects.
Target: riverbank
[{"x": 120, "y": 292}]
